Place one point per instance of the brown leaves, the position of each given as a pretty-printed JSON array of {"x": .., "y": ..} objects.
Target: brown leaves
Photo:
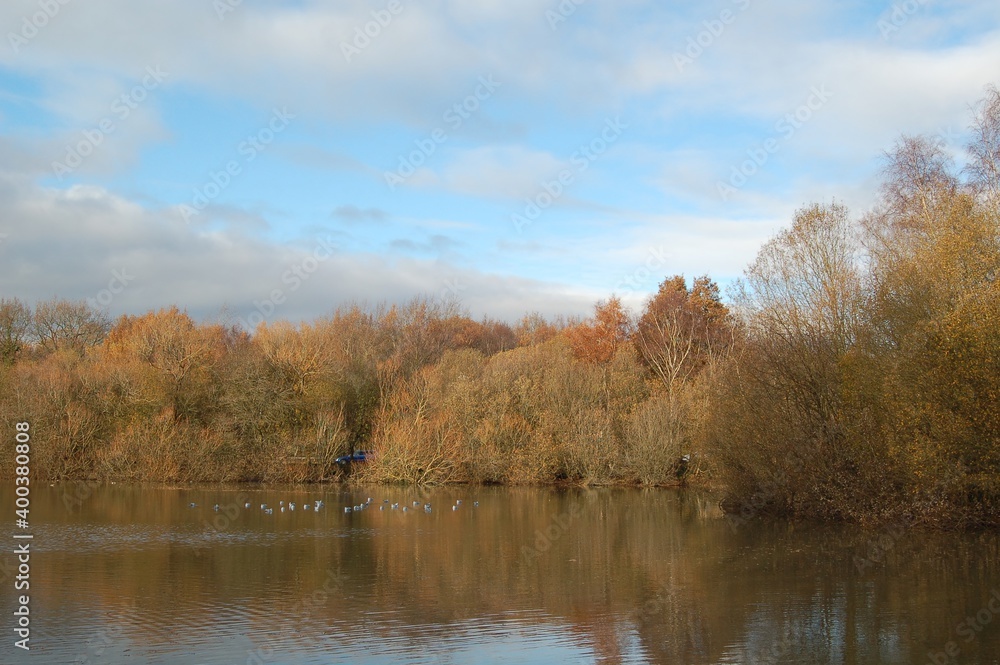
[
  {"x": 681, "y": 330},
  {"x": 597, "y": 340},
  {"x": 15, "y": 325}
]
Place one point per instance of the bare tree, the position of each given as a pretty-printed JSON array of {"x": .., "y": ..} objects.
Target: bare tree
[
  {"x": 917, "y": 174},
  {"x": 984, "y": 147},
  {"x": 61, "y": 324},
  {"x": 681, "y": 330},
  {"x": 806, "y": 282},
  {"x": 15, "y": 325}
]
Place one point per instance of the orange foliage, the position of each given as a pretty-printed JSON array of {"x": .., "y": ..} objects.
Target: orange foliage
[
  {"x": 680, "y": 329},
  {"x": 597, "y": 340}
]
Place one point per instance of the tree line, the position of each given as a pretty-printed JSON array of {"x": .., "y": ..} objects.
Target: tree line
[
  {"x": 852, "y": 374},
  {"x": 438, "y": 396}
]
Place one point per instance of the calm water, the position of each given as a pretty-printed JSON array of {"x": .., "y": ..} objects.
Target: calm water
[{"x": 132, "y": 574}]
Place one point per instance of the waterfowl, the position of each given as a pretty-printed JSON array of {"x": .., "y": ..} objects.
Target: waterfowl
[{"x": 682, "y": 466}]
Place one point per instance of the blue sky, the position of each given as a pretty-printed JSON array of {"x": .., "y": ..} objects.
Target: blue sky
[{"x": 264, "y": 160}]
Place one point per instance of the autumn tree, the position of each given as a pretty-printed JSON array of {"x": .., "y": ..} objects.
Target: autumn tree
[
  {"x": 984, "y": 147},
  {"x": 680, "y": 330},
  {"x": 597, "y": 340},
  {"x": 297, "y": 353},
  {"x": 181, "y": 353},
  {"x": 488, "y": 336},
  {"x": 780, "y": 411},
  {"x": 420, "y": 331},
  {"x": 868, "y": 388},
  {"x": 534, "y": 329},
  {"x": 61, "y": 324},
  {"x": 933, "y": 296},
  {"x": 15, "y": 326}
]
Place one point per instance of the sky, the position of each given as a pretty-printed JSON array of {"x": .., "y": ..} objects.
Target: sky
[{"x": 255, "y": 161}]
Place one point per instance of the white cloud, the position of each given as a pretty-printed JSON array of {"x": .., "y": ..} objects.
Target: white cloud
[
  {"x": 71, "y": 244},
  {"x": 687, "y": 129},
  {"x": 511, "y": 172}
]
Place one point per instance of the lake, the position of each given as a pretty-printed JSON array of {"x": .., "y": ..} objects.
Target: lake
[{"x": 134, "y": 574}]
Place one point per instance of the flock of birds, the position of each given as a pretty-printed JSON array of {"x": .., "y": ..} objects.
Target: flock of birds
[
  {"x": 318, "y": 504},
  {"x": 395, "y": 506}
]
